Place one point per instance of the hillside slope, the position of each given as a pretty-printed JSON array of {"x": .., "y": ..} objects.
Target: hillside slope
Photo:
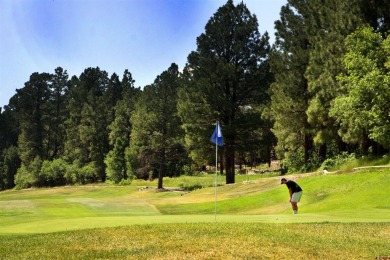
[{"x": 364, "y": 193}]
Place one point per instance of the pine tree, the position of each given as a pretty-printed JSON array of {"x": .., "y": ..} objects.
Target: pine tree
[
  {"x": 87, "y": 125},
  {"x": 120, "y": 130},
  {"x": 229, "y": 78},
  {"x": 157, "y": 137},
  {"x": 329, "y": 23},
  {"x": 289, "y": 92},
  {"x": 57, "y": 113},
  {"x": 32, "y": 103}
]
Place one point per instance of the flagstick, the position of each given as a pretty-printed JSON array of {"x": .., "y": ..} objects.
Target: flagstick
[
  {"x": 214, "y": 139},
  {"x": 216, "y": 178}
]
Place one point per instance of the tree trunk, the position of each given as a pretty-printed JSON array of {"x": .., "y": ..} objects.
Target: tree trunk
[
  {"x": 161, "y": 172},
  {"x": 342, "y": 146},
  {"x": 221, "y": 163},
  {"x": 322, "y": 152},
  {"x": 366, "y": 143},
  {"x": 308, "y": 146},
  {"x": 229, "y": 155}
]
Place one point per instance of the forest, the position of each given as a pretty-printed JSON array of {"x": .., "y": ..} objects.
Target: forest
[{"x": 319, "y": 93}]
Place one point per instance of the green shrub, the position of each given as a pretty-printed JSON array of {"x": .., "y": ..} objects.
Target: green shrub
[
  {"x": 89, "y": 173},
  {"x": 189, "y": 171},
  {"x": 294, "y": 161},
  {"x": 190, "y": 187},
  {"x": 337, "y": 160},
  {"x": 72, "y": 174},
  {"x": 110, "y": 182},
  {"x": 76, "y": 174},
  {"x": 327, "y": 164},
  {"x": 125, "y": 182},
  {"x": 53, "y": 172},
  {"x": 29, "y": 175},
  {"x": 23, "y": 178}
]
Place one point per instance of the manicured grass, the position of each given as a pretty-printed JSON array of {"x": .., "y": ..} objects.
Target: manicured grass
[
  {"x": 206, "y": 241},
  {"x": 358, "y": 196},
  {"x": 343, "y": 215}
]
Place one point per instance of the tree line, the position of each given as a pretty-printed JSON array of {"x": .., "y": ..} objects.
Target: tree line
[{"x": 321, "y": 90}]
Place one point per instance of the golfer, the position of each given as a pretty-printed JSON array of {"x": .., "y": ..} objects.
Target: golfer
[{"x": 295, "y": 193}]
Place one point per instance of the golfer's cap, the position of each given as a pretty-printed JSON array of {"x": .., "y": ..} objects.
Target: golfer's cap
[{"x": 282, "y": 179}]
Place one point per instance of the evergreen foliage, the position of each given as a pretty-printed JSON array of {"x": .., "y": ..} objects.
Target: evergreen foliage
[
  {"x": 120, "y": 130},
  {"x": 157, "y": 139},
  {"x": 289, "y": 91},
  {"x": 330, "y": 22},
  {"x": 321, "y": 93},
  {"x": 9, "y": 164},
  {"x": 227, "y": 80},
  {"x": 307, "y": 60}
]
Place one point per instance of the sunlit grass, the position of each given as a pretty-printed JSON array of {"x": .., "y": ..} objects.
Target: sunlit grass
[
  {"x": 206, "y": 241},
  {"x": 342, "y": 215},
  {"x": 357, "y": 196}
]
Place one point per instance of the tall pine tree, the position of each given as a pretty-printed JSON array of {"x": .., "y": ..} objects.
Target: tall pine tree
[
  {"x": 33, "y": 111},
  {"x": 289, "y": 92},
  {"x": 120, "y": 130},
  {"x": 229, "y": 78},
  {"x": 330, "y": 21},
  {"x": 157, "y": 137},
  {"x": 87, "y": 125}
]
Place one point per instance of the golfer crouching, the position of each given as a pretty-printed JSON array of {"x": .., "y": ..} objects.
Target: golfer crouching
[{"x": 295, "y": 193}]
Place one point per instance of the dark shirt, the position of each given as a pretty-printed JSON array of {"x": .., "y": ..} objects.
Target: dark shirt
[{"x": 293, "y": 186}]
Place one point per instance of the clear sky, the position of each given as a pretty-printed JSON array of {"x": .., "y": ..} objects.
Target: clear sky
[{"x": 143, "y": 36}]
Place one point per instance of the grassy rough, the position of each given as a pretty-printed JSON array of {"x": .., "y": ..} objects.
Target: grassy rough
[{"x": 206, "y": 241}]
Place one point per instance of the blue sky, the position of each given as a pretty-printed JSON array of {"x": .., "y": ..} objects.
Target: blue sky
[{"x": 143, "y": 36}]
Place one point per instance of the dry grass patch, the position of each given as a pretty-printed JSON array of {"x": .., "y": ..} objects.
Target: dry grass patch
[{"x": 207, "y": 241}]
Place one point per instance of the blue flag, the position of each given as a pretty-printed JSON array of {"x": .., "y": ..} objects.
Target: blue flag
[{"x": 217, "y": 137}]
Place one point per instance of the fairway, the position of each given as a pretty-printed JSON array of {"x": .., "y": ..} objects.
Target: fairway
[
  {"x": 352, "y": 197},
  {"x": 56, "y": 225},
  {"x": 341, "y": 216}
]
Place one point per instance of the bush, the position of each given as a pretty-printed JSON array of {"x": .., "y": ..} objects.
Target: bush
[
  {"x": 345, "y": 157},
  {"x": 29, "y": 175},
  {"x": 294, "y": 161},
  {"x": 337, "y": 160},
  {"x": 23, "y": 178},
  {"x": 125, "y": 182},
  {"x": 89, "y": 173},
  {"x": 72, "y": 174},
  {"x": 189, "y": 170},
  {"x": 76, "y": 174},
  {"x": 53, "y": 172},
  {"x": 327, "y": 164},
  {"x": 190, "y": 187}
]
